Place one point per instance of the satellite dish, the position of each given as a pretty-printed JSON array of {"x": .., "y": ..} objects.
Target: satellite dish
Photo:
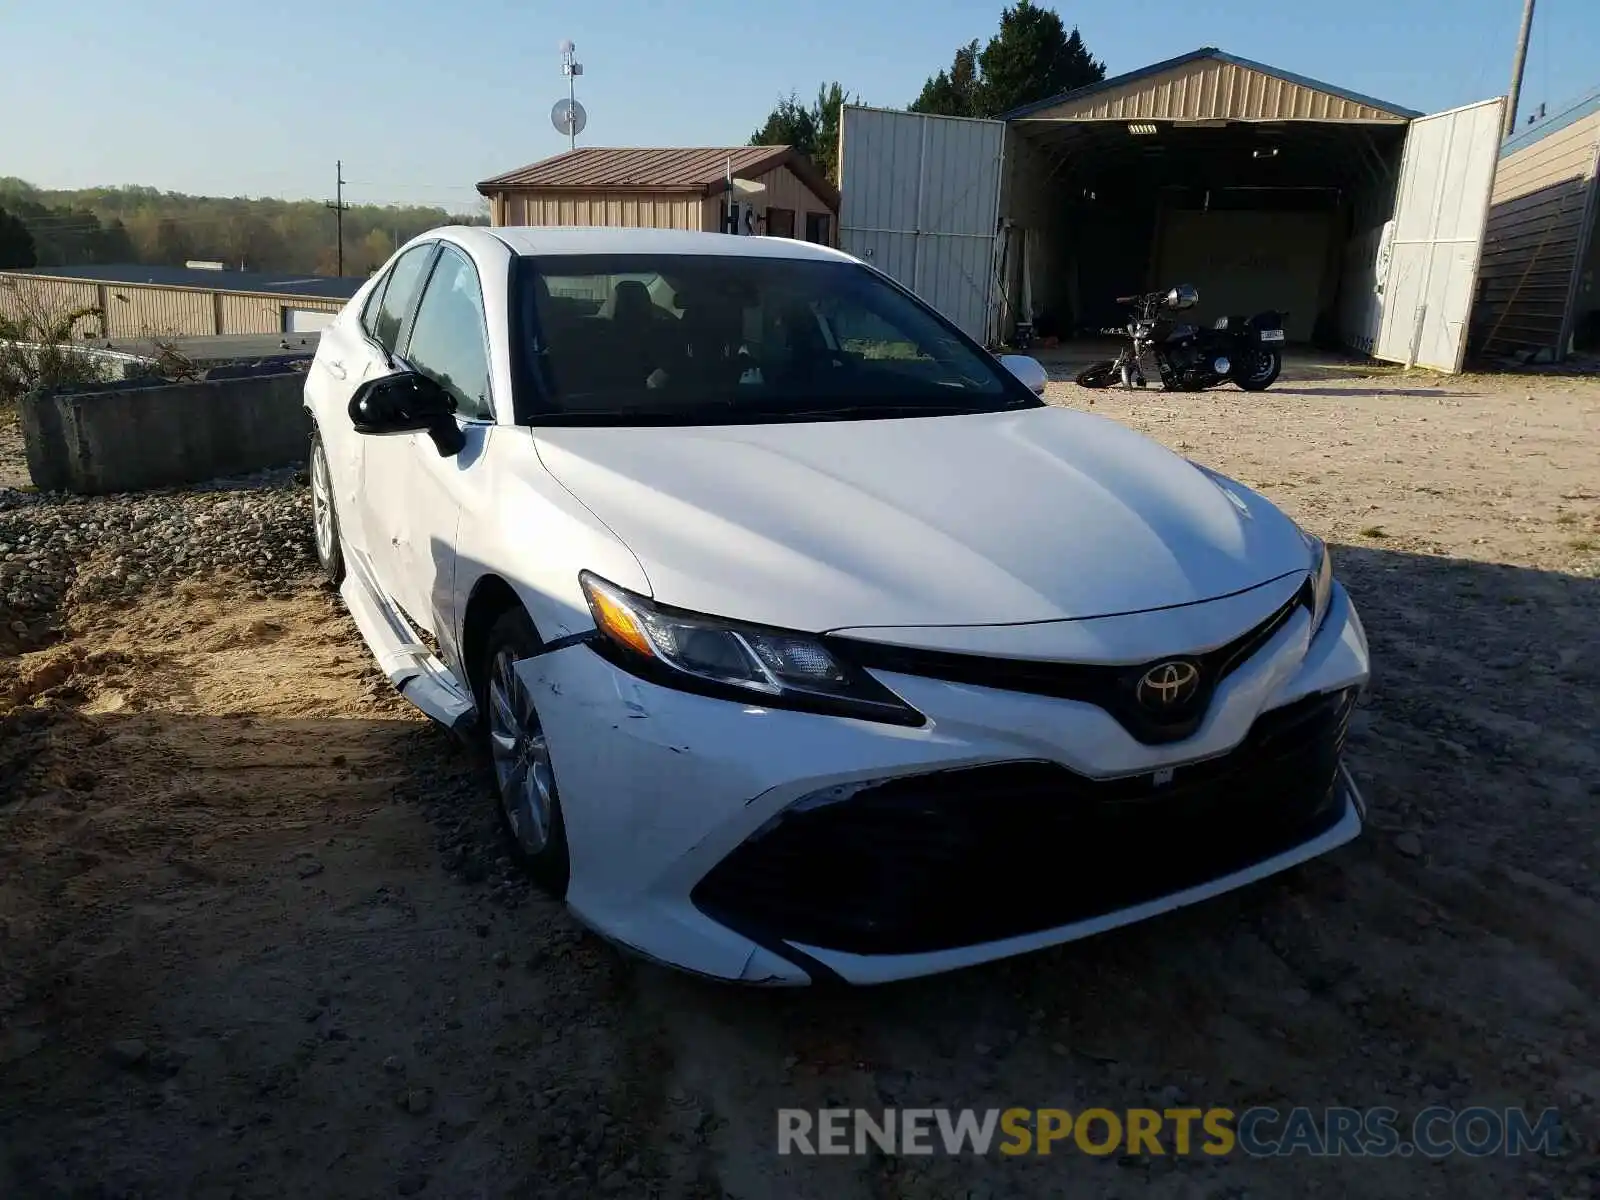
[{"x": 568, "y": 117}]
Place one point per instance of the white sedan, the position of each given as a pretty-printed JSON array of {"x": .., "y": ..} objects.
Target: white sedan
[{"x": 806, "y": 641}]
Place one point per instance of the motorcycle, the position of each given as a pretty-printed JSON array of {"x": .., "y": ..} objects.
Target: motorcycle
[{"x": 1245, "y": 350}]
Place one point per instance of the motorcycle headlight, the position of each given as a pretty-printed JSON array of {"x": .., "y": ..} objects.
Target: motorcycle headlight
[
  {"x": 774, "y": 668},
  {"x": 1321, "y": 581}
]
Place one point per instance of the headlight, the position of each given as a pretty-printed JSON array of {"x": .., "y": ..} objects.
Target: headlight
[
  {"x": 1321, "y": 582},
  {"x": 771, "y": 667}
]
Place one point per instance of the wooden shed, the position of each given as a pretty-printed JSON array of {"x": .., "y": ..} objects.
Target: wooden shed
[
  {"x": 667, "y": 188},
  {"x": 1537, "y": 287}
]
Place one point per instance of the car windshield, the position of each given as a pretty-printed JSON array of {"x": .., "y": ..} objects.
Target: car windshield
[{"x": 706, "y": 339}]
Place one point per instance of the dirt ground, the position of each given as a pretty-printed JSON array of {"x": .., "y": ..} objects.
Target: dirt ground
[{"x": 260, "y": 937}]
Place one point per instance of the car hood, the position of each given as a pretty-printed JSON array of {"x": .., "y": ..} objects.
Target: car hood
[{"x": 998, "y": 518}]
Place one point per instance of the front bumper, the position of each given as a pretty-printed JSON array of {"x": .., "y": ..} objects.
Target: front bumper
[{"x": 1007, "y": 823}]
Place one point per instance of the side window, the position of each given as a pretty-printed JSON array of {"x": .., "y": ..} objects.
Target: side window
[
  {"x": 780, "y": 222},
  {"x": 405, "y": 280},
  {"x": 449, "y": 340},
  {"x": 370, "y": 310}
]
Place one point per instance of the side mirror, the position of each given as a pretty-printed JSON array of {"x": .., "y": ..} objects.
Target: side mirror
[
  {"x": 407, "y": 402},
  {"x": 1028, "y": 370}
]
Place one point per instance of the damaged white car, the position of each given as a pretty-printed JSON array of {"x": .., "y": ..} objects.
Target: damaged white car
[{"x": 807, "y": 642}]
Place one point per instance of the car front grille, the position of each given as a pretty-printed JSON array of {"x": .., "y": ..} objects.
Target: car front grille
[
  {"x": 1113, "y": 688},
  {"x": 954, "y": 858}
]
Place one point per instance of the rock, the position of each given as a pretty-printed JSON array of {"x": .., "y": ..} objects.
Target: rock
[
  {"x": 1409, "y": 844},
  {"x": 615, "y": 1181},
  {"x": 502, "y": 960},
  {"x": 393, "y": 1065},
  {"x": 309, "y": 868},
  {"x": 1295, "y": 997},
  {"x": 415, "y": 1101},
  {"x": 128, "y": 1052},
  {"x": 412, "y": 1183}
]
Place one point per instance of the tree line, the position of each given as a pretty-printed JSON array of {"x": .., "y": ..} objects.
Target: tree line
[
  {"x": 44, "y": 228},
  {"x": 1031, "y": 57}
]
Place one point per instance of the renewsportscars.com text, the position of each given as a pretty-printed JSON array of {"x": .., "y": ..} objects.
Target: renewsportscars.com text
[{"x": 1260, "y": 1132}]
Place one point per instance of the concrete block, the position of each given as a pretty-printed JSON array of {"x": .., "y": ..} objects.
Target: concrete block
[{"x": 140, "y": 434}]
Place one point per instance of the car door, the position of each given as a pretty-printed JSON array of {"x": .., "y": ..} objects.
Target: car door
[
  {"x": 425, "y": 493},
  {"x": 329, "y": 386},
  {"x": 371, "y": 355}
]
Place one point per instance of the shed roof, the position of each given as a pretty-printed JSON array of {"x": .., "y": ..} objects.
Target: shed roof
[
  {"x": 1570, "y": 115},
  {"x": 700, "y": 170},
  {"x": 283, "y": 283},
  {"x": 1104, "y": 90}
]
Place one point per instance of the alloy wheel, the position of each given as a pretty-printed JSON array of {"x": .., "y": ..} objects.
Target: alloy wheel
[
  {"x": 521, "y": 754},
  {"x": 322, "y": 504}
]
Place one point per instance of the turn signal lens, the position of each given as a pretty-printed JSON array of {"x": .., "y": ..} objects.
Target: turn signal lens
[{"x": 614, "y": 619}]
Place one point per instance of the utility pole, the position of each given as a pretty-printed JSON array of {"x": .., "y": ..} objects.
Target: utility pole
[
  {"x": 1516, "y": 70},
  {"x": 339, "y": 207}
]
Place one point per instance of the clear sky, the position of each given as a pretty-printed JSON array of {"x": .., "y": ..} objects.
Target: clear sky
[{"x": 422, "y": 99}]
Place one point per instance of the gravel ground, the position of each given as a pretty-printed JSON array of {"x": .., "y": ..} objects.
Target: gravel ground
[{"x": 260, "y": 936}]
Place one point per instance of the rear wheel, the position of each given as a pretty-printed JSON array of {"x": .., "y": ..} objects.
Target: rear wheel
[
  {"x": 1257, "y": 370},
  {"x": 1099, "y": 375},
  {"x": 519, "y": 750},
  {"x": 325, "y": 514}
]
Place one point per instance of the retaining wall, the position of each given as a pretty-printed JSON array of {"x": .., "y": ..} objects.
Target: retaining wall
[{"x": 141, "y": 434}]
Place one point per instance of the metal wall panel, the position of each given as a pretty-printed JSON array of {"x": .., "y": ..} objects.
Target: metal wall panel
[
  {"x": 1213, "y": 90},
  {"x": 664, "y": 210},
  {"x": 134, "y": 311},
  {"x": 158, "y": 312},
  {"x": 920, "y": 202},
  {"x": 264, "y": 314},
  {"x": 1441, "y": 206},
  {"x": 1539, "y": 226},
  {"x": 20, "y": 294}
]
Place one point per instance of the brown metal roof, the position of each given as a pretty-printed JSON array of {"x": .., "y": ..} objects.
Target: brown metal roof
[{"x": 700, "y": 170}]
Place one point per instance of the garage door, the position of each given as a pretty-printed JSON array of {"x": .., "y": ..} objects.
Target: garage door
[
  {"x": 306, "y": 320},
  {"x": 920, "y": 201},
  {"x": 1441, "y": 206},
  {"x": 1243, "y": 262}
]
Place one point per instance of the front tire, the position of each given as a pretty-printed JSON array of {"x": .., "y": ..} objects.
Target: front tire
[
  {"x": 1099, "y": 375},
  {"x": 1258, "y": 370},
  {"x": 519, "y": 753},
  {"x": 325, "y": 514}
]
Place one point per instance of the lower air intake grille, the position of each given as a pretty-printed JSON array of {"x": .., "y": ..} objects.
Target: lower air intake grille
[{"x": 954, "y": 858}]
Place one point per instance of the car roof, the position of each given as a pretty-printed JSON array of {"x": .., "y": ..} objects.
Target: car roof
[{"x": 537, "y": 240}]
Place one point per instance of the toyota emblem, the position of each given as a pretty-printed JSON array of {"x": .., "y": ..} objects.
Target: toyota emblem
[{"x": 1168, "y": 686}]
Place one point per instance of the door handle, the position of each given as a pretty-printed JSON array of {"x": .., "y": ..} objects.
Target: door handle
[{"x": 336, "y": 369}]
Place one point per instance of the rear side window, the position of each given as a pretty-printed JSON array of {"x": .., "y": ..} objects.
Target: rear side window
[{"x": 400, "y": 294}]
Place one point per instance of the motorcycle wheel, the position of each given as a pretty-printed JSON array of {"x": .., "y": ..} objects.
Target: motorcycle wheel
[
  {"x": 1258, "y": 370},
  {"x": 1099, "y": 375}
]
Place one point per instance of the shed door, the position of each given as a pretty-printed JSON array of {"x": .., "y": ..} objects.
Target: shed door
[
  {"x": 920, "y": 201},
  {"x": 1441, "y": 206},
  {"x": 306, "y": 320}
]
